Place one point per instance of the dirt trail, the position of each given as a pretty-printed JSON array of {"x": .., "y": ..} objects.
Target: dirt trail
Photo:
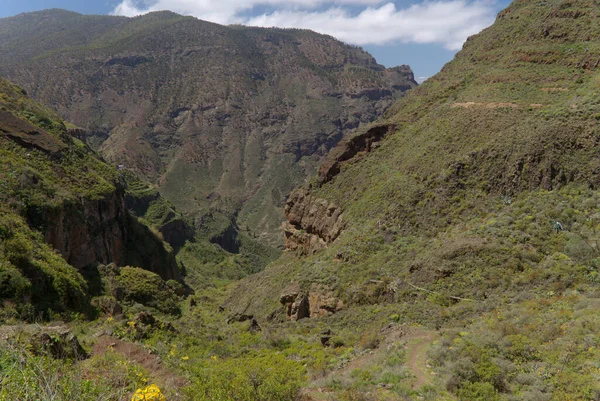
[
  {"x": 417, "y": 358},
  {"x": 142, "y": 356},
  {"x": 416, "y": 343},
  {"x": 494, "y": 105}
]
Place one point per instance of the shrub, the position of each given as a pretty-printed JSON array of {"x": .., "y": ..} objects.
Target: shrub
[
  {"x": 266, "y": 377},
  {"x": 13, "y": 285},
  {"x": 26, "y": 262},
  {"x": 147, "y": 288},
  {"x": 478, "y": 392}
]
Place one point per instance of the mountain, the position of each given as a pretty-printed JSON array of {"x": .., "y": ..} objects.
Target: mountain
[
  {"x": 449, "y": 250},
  {"x": 465, "y": 218},
  {"x": 225, "y": 120},
  {"x": 62, "y": 213}
]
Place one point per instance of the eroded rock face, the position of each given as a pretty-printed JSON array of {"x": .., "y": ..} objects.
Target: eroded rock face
[
  {"x": 312, "y": 222},
  {"x": 94, "y": 231},
  {"x": 90, "y": 232},
  {"x": 351, "y": 147},
  {"x": 28, "y": 135},
  {"x": 318, "y": 301},
  {"x": 295, "y": 302},
  {"x": 299, "y": 240},
  {"x": 322, "y": 302}
]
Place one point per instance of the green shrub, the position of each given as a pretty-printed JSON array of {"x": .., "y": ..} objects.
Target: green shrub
[
  {"x": 13, "y": 285},
  {"x": 265, "y": 377},
  {"x": 27, "y": 263},
  {"x": 478, "y": 392},
  {"x": 147, "y": 288}
]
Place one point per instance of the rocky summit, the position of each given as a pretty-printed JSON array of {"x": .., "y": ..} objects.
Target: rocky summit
[{"x": 222, "y": 119}]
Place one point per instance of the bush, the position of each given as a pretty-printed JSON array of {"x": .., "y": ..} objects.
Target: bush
[
  {"x": 26, "y": 262},
  {"x": 147, "y": 288},
  {"x": 266, "y": 377},
  {"x": 478, "y": 392},
  {"x": 13, "y": 285}
]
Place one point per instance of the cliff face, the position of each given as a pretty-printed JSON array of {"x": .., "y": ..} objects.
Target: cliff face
[
  {"x": 219, "y": 118},
  {"x": 353, "y": 147},
  {"x": 312, "y": 223},
  {"x": 89, "y": 232},
  {"x": 102, "y": 231},
  {"x": 65, "y": 192}
]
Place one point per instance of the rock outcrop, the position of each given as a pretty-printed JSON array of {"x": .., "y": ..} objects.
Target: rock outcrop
[
  {"x": 87, "y": 232},
  {"x": 350, "y": 147},
  {"x": 312, "y": 222},
  {"x": 102, "y": 231},
  {"x": 28, "y": 135},
  {"x": 318, "y": 301},
  {"x": 57, "y": 342}
]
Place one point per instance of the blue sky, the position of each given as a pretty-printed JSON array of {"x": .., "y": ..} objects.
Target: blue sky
[{"x": 424, "y": 34}]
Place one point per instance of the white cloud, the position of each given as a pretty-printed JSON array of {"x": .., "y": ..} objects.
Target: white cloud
[{"x": 446, "y": 22}]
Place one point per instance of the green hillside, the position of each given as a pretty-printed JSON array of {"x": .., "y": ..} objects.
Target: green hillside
[
  {"x": 448, "y": 251},
  {"x": 61, "y": 214},
  {"x": 476, "y": 217}
]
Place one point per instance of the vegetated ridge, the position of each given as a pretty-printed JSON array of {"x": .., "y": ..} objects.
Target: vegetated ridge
[
  {"x": 471, "y": 207},
  {"x": 447, "y": 251}
]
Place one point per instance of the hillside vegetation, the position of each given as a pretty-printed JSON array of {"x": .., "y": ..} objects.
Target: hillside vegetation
[
  {"x": 61, "y": 214},
  {"x": 449, "y": 251},
  {"x": 477, "y": 216}
]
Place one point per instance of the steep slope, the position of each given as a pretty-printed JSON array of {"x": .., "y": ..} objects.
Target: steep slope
[
  {"x": 62, "y": 212},
  {"x": 223, "y": 119},
  {"x": 472, "y": 207}
]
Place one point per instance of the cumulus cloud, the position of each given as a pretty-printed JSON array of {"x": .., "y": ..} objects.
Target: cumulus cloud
[{"x": 446, "y": 22}]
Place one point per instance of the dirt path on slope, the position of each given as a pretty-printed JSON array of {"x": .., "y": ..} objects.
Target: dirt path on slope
[
  {"x": 417, "y": 358},
  {"x": 416, "y": 344},
  {"x": 133, "y": 352}
]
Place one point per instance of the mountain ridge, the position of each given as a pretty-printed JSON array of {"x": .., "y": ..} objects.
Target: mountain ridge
[{"x": 270, "y": 101}]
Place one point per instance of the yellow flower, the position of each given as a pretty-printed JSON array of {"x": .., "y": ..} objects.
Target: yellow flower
[
  {"x": 150, "y": 393},
  {"x": 214, "y": 357},
  {"x": 131, "y": 323},
  {"x": 185, "y": 358}
]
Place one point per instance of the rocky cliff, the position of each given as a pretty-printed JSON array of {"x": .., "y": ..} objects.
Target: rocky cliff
[
  {"x": 62, "y": 211},
  {"x": 312, "y": 222}
]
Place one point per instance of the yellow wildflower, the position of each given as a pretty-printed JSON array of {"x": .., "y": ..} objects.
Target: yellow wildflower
[
  {"x": 185, "y": 358},
  {"x": 150, "y": 393}
]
